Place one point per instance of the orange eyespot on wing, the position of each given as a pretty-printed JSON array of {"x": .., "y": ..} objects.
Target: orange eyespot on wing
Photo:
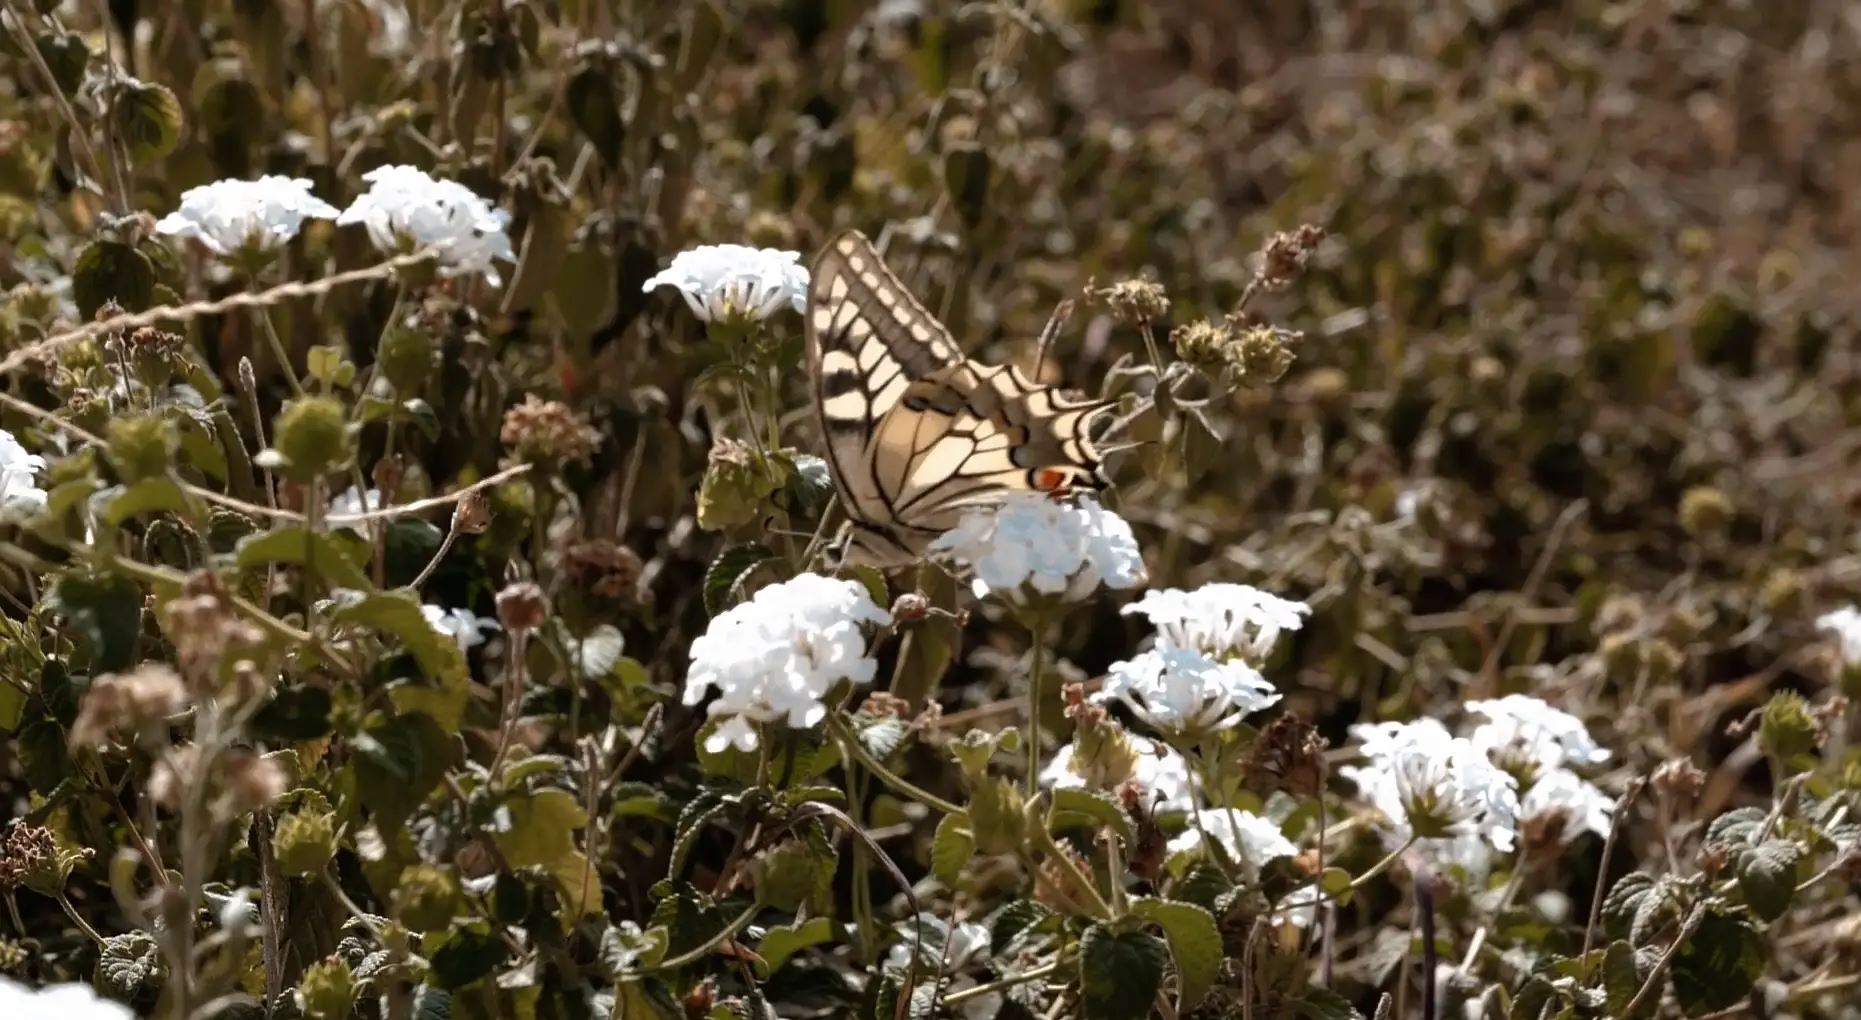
[{"x": 1050, "y": 480}]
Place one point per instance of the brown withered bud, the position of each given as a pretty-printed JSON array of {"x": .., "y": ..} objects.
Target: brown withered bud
[
  {"x": 1679, "y": 778},
  {"x": 472, "y": 514},
  {"x": 911, "y": 607},
  {"x": 1288, "y": 755},
  {"x": 1542, "y": 833},
  {"x": 137, "y": 702},
  {"x": 1132, "y": 302},
  {"x": 1712, "y": 859},
  {"x": 522, "y": 607},
  {"x": 549, "y": 431},
  {"x": 24, "y": 850},
  {"x": 1283, "y": 256},
  {"x": 605, "y": 569},
  {"x": 387, "y": 475},
  {"x": 884, "y": 704}
]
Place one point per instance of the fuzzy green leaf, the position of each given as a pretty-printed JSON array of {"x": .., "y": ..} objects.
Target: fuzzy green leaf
[
  {"x": 1119, "y": 973},
  {"x": 952, "y": 848},
  {"x": 1767, "y": 876},
  {"x": 1717, "y": 967},
  {"x": 105, "y": 613},
  {"x": 1074, "y": 807},
  {"x": 784, "y": 941},
  {"x": 295, "y": 545},
  {"x": 1195, "y": 943}
]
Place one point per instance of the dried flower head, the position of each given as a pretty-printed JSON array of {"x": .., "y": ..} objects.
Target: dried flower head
[
  {"x": 605, "y": 569},
  {"x": 1288, "y": 754},
  {"x": 910, "y": 607},
  {"x": 1679, "y": 778},
  {"x": 1283, "y": 256},
  {"x": 1207, "y": 345},
  {"x": 25, "y": 849},
  {"x": 137, "y": 703},
  {"x": 1132, "y": 302},
  {"x": 522, "y": 607},
  {"x": 548, "y": 431},
  {"x": 1262, "y": 354},
  {"x": 472, "y": 514}
]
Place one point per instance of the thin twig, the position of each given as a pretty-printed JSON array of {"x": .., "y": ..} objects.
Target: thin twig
[
  {"x": 1602, "y": 870},
  {"x": 199, "y": 309},
  {"x": 1651, "y": 987}
]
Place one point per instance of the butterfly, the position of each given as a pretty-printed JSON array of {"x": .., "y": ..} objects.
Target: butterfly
[{"x": 917, "y": 434}]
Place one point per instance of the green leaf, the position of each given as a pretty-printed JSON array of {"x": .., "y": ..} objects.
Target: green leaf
[
  {"x": 105, "y": 612},
  {"x": 148, "y": 496},
  {"x": 397, "y": 613},
  {"x": 538, "y": 830},
  {"x": 728, "y": 571},
  {"x": 952, "y": 848},
  {"x": 1076, "y": 806},
  {"x": 148, "y": 118},
  {"x": 1119, "y": 973},
  {"x": 594, "y": 103},
  {"x": 1767, "y": 877},
  {"x": 129, "y": 967},
  {"x": 1317, "y": 1003},
  {"x": 1734, "y": 830},
  {"x": 784, "y": 941},
  {"x": 1012, "y": 921},
  {"x": 297, "y": 712},
  {"x": 1622, "y": 978},
  {"x": 111, "y": 271},
  {"x": 295, "y": 545},
  {"x": 1624, "y": 900},
  {"x": 1718, "y": 966},
  {"x": 67, "y": 56},
  {"x": 399, "y": 761},
  {"x": 468, "y": 953},
  {"x": 327, "y": 365},
  {"x": 701, "y": 809},
  {"x": 1195, "y": 943}
]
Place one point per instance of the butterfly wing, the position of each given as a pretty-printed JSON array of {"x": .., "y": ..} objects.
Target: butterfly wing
[
  {"x": 916, "y": 433},
  {"x": 869, "y": 340}
]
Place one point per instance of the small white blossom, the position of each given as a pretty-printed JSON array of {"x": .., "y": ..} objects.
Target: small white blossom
[
  {"x": 259, "y": 216},
  {"x": 1526, "y": 736},
  {"x": 1564, "y": 796},
  {"x": 19, "y": 486},
  {"x": 814, "y": 469},
  {"x": 1161, "y": 773},
  {"x": 1845, "y": 624},
  {"x": 1186, "y": 694},
  {"x": 1222, "y": 621},
  {"x": 1033, "y": 545},
  {"x": 774, "y": 657},
  {"x": 725, "y": 282},
  {"x": 461, "y": 625},
  {"x": 57, "y": 1002},
  {"x": 1425, "y": 782},
  {"x": 404, "y": 208},
  {"x": 1246, "y": 837},
  {"x": 349, "y": 502},
  {"x": 964, "y": 944}
]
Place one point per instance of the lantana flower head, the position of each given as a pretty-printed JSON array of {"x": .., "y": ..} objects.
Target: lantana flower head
[
  {"x": 775, "y": 657},
  {"x": 1248, "y": 839},
  {"x": 734, "y": 282},
  {"x": 1031, "y": 548},
  {"x": 1185, "y": 694},
  {"x": 245, "y": 218},
  {"x": 1527, "y": 737},
  {"x": 19, "y": 478},
  {"x": 1222, "y": 620},
  {"x": 1429, "y": 784},
  {"x": 405, "y": 209}
]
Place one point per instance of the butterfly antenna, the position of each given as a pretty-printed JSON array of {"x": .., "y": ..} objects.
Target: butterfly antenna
[{"x": 1051, "y": 332}]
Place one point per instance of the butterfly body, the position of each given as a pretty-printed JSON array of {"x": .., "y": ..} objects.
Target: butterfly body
[{"x": 917, "y": 433}]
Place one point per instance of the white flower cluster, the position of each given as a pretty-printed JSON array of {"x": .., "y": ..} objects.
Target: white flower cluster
[
  {"x": 1033, "y": 546},
  {"x": 461, "y": 625},
  {"x": 776, "y": 656},
  {"x": 63, "y": 1002},
  {"x": 1161, "y": 774},
  {"x": 19, "y": 478},
  {"x": 231, "y": 217},
  {"x": 1200, "y": 677},
  {"x": 1461, "y": 794},
  {"x": 1845, "y": 624},
  {"x": 403, "y": 209},
  {"x": 1248, "y": 839},
  {"x": 734, "y": 282}
]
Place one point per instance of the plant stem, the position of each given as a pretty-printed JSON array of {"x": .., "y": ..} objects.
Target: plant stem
[
  {"x": 1035, "y": 669},
  {"x": 1513, "y": 882},
  {"x": 859, "y": 753},
  {"x": 1651, "y": 987},
  {"x": 978, "y": 991},
  {"x": 1383, "y": 865},
  {"x": 278, "y": 352},
  {"x": 64, "y": 903},
  {"x": 698, "y": 952},
  {"x": 1602, "y": 870}
]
